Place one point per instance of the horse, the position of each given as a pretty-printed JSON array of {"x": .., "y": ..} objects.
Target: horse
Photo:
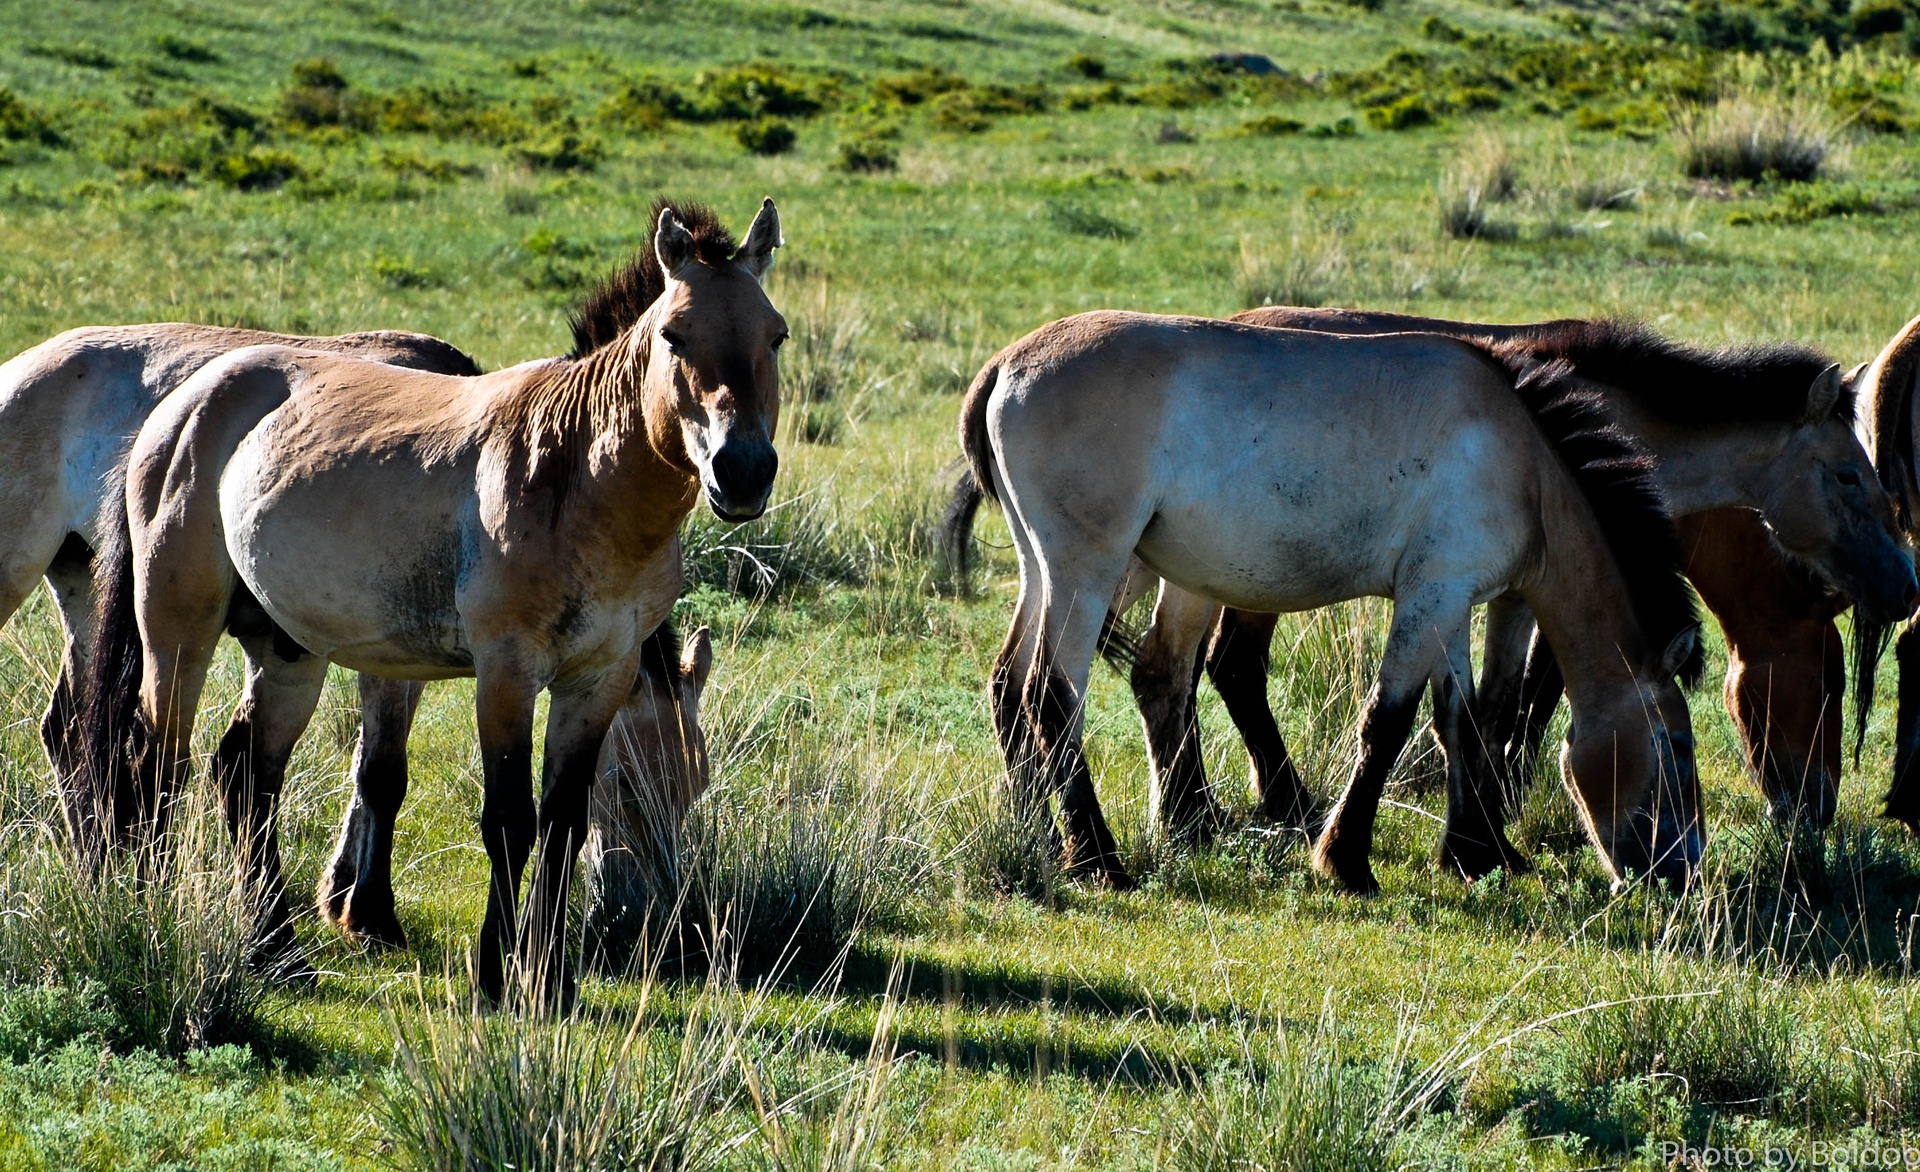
[
  {"x": 69, "y": 410},
  {"x": 1278, "y": 470},
  {"x": 1888, "y": 424},
  {"x": 1734, "y": 431},
  {"x": 508, "y": 527}
]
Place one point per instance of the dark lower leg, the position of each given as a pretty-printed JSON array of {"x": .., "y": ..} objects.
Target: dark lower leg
[
  {"x": 1345, "y": 845},
  {"x": 356, "y": 889},
  {"x": 1183, "y": 804},
  {"x": 1237, "y": 663},
  {"x": 1089, "y": 849},
  {"x": 563, "y": 826},
  {"x": 249, "y": 783},
  {"x": 1903, "y": 797},
  {"x": 1540, "y": 694}
]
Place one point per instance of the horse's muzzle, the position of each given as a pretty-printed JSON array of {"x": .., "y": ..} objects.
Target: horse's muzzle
[
  {"x": 740, "y": 479},
  {"x": 1889, "y": 597}
]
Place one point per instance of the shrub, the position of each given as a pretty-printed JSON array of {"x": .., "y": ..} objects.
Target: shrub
[
  {"x": 1401, "y": 114},
  {"x": 922, "y": 85},
  {"x": 758, "y": 91},
  {"x": 1338, "y": 128},
  {"x": 565, "y": 149},
  {"x": 399, "y": 273},
  {"x": 254, "y": 169},
  {"x": 317, "y": 96},
  {"x": 182, "y": 49},
  {"x": 766, "y": 136},
  {"x": 20, "y": 122},
  {"x": 1087, "y": 66},
  {"x": 1272, "y": 125},
  {"x": 866, "y": 156},
  {"x": 1755, "y": 137},
  {"x": 647, "y": 104},
  {"x": 1462, "y": 200}
]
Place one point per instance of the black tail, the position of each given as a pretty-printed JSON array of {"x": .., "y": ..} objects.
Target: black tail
[
  {"x": 1870, "y": 641},
  {"x": 956, "y": 527},
  {"x": 111, "y": 732}
]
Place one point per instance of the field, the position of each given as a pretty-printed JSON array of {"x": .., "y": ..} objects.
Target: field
[{"x": 952, "y": 173}]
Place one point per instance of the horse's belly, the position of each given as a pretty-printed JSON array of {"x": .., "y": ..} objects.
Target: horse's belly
[
  {"x": 1267, "y": 567},
  {"x": 368, "y": 583}
]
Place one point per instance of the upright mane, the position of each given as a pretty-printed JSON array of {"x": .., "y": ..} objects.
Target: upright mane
[
  {"x": 1615, "y": 475},
  {"x": 619, "y": 300},
  {"x": 1755, "y": 383}
]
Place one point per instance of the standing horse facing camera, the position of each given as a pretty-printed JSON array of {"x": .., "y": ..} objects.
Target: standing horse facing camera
[
  {"x": 69, "y": 410},
  {"x": 1278, "y": 470},
  {"x": 507, "y": 527}
]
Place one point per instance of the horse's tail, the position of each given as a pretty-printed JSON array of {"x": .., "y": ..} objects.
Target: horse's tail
[
  {"x": 111, "y": 732},
  {"x": 1887, "y": 388},
  {"x": 975, "y": 482}
]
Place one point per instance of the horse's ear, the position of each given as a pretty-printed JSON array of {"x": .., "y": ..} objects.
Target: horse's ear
[
  {"x": 756, "y": 251},
  {"x": 1680, "y": 652},
  {"x": 1851, "y": 381},
  {"x": 672, "y": 243},
  {"x": 1824, "y": 395},
  {"x": 697, "y": 661}
]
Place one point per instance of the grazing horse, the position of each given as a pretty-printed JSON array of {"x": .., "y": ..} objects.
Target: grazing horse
[
  {"x": 1757, "y": 457},
  {"x": 1889, "y": 386},
  {"x": 1280, "y": 470},
  {"x": 508, "y": 527},
  {"x": 69, "y": 409}
]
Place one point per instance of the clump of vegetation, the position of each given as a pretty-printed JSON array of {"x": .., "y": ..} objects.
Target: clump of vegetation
[
  {"x": 20, "y": 122},
  {"x": 183, "y": 49},
  {"x": 400, "y": 273},
  {"x": 973, "y": 109},
  {"x": 1272, "y": 125},
  {"x": 317, "y": 96},
  {"x": 866, "y": 156},
  {"x": 162, "y": 965},
  {"x": 565, "y": 148},
  {"x": 767, "y": 136},
  {"x": 1088, "y": 66},
  {"x": 1401, "y": 114},
  {"x": 1082, "y": 220},
  {"x": 1755, "y": 137}
]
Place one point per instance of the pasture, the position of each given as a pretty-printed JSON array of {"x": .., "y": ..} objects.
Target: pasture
[{"x": 912, "y": 986}]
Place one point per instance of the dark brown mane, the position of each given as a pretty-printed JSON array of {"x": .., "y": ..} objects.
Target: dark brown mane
[
  {"x": 1761, "y": 382},
  {"x": 1616, "y": 477},
  {"x": 619, "y": 300}
]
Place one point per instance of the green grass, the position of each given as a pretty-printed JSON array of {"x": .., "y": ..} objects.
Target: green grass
[{"x": 961, "y": 171}]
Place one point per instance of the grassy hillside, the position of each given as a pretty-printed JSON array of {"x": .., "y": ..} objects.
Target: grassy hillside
[{"x": 960, "y": 171}]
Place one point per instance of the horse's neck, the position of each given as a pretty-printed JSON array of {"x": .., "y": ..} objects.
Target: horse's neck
[
  {"x": 1705, "y": 466},
  {"x": 1581, "y": 603},
  {"x": 636, "y": 479}
]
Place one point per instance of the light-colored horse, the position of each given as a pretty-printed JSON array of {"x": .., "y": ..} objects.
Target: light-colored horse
[
  {"x": 1278, "y": 470},
  {"x": 507, "y": 527},
  {"x": 69, "y": 409},
  {"x": 1765, "y": 429}
]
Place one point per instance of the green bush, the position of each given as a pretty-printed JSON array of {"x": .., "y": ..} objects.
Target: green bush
[
  {"x": 20, "y": 122},
  {"x": 182, "y": 49},
  {"x": 1272, "y": 125},
  {"x": 766, "y": 136},
  {"x": 565, "y": 149},
  {"x": 1401, "y": 114},
  {"x": 866, "y": 156},
  {"x": 758, "y": 91},
  {"x": 1754, "y": 137},
  {"x": 920, "y": 86},
  {"x": 1087, "y": 66},
  {"x": 318, "y": 95}
]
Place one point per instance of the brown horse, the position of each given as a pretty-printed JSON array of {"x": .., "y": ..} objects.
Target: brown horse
[
  {"x": 1279, "y": 470},
  {"x": 69, "y": 409},
  {"x": 507, "y": 527}
]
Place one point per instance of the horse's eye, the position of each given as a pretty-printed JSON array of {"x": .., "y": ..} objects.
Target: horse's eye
[
  {"x": 1848, "y": 477},
  {"x": 674, "y": 341},
  {"x": 780, "y": 341}
]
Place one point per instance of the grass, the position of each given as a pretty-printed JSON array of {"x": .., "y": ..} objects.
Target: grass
[{"x": 957, "y": 175}]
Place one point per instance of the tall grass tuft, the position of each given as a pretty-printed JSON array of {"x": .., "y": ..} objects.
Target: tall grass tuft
[
  {"x": 1756, "y": 135},
  {"x": 996, "y": 850},
  {"x": 799, "y": 542},
  {"x": 473, "y": 1089},
  {"x": 1309, "y": 269},
  {"x": 778, "y": 878},
  {"x": 834, "y": 1124},
  {"x": 161, "y": 941}
]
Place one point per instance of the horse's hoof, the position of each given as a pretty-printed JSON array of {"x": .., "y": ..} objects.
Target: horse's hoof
[
  {"x": 1356, "y": 875},
  {"x": 331, "y": 898},
  {"x": 374, "y": 932},
  {"x": 1115, "y": 878}
]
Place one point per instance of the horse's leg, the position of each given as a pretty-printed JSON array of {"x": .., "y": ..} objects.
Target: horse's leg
[
  {"x": 1424, "y": 620},
  {"x": 1903, "y": 796},
  {"x": 1541, "y": 687},
  {"x": 504, "y": 695},
  {"x": 577, "y": 722},
  {"x": 1007, "y": 685},
  {"x": 250, "y": 769},
  {"x": 70, "y": 576},
  {"x": 1237, "y": 663},
  {"x": 1163, "y": 678},
  {"x": 1474, "y": 842},
  {"x": 1786, "y": 667},
  {"x": 356, "y": 889}
]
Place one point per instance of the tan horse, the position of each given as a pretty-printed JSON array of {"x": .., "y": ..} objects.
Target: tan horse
[
  {"x": 508, "y": 527},
  {"x": 1276, "y": 470},
  {"x": 69, "y": 409}
]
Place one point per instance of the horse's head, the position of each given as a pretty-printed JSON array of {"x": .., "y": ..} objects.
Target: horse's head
[
  {"x": 655, "y": 761},
  {"x": 719, "y": 336},
  {"x": 1631, "y": 771},
  {"x": 1828, "y": 509}
]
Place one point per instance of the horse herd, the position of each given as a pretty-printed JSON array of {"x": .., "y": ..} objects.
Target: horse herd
[{"x": 375, "y": 500}]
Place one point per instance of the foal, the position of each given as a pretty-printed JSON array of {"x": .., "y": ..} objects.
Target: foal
[
  {"x": 1277, "y": 470},
  {"x": 506, "y": 527}
]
